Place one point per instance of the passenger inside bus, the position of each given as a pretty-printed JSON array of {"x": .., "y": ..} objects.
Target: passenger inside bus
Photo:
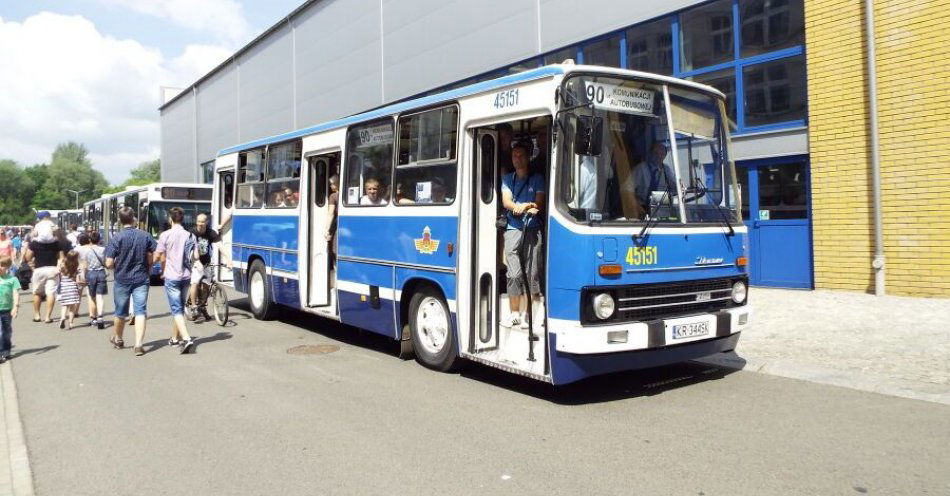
[{"x": 373, "y": 194}]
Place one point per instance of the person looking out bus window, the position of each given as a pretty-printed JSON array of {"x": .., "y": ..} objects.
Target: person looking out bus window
[
  {"x": 653, "y": 175},
  {"x": 523, "y": 198},
  {"x": 373, "y": 194}
]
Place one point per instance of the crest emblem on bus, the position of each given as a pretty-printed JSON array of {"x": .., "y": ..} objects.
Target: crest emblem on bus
[{"x": 426, "y": 245}]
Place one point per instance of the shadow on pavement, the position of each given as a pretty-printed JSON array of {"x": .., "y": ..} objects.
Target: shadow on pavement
[
  {"x": 34, "y": 351},
  {"x": 599, "y": 389}
]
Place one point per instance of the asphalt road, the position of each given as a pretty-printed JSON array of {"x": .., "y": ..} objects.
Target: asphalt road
[{"x": 244, "y": 416}]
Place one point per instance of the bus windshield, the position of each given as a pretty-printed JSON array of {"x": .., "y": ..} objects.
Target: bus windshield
[
  {"x": 620, "y": 164},
  {"x": 158, "y": 215}
]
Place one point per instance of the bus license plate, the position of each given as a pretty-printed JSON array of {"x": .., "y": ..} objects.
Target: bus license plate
[{"x": 690, "y": 330}]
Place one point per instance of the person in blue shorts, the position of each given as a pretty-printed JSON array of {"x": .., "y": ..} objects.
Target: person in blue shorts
[{"x": 130, "y": 254}]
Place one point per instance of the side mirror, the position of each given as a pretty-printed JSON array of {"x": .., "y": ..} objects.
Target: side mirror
[{"x": 588, "y": 139}]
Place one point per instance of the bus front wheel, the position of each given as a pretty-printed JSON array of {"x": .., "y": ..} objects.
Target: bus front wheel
[
  {"x": 431, "y": 324},
  {"x": 259, "y": 291}
]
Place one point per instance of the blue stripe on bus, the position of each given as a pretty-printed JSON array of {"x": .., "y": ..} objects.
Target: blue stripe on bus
[
  {"x": 278, "y": 231},
  {"x": 401, "y": 107},
  {"x": 356, "y": 310},
  {"x": 395, "y": 239}
]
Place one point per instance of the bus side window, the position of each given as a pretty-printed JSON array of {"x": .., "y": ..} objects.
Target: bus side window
[
  {"x": 228, "y": 190},
  {"x": 369, "y": 164},
  {"x": 319, "y": 181},
  {"x": 250, "y": 191},
  {"x": 283, "y": 175},
  {"x": 426, "y": 169}
]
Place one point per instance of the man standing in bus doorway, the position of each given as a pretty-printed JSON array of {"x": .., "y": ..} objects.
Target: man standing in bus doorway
[
  {"x": 207, "y": 239},
  {"x": 176, "y": 253},
  {"x": 129, "y": 253},
  {"x": 523, "y": 197}
]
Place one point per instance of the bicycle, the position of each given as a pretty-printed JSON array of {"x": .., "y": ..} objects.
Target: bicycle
[{"x": 209, "y": 289}]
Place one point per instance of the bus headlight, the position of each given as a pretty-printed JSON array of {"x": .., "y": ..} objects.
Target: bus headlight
[
  {"x": 739, "y": 292},
  {"x": 604, "y": 306}
]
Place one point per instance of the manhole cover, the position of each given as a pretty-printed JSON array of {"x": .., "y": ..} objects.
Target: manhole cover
[{"x": 313, "y": 349}]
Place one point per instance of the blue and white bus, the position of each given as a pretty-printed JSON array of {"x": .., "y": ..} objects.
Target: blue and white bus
[
  {"x": 151, "y": 203},
  {"x": 635, "y": 273}
]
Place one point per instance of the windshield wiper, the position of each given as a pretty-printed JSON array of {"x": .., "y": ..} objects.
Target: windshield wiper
[
  {"x": 722, "y": 211},
  {"x": 652, "y": 221}
]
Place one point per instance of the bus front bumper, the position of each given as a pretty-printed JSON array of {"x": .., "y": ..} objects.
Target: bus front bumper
[{"x": 572, "y": 338}]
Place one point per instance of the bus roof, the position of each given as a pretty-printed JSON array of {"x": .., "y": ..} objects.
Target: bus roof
[
  {"x": 144, "y": 187},
  {"x": 480, "y": 87}
]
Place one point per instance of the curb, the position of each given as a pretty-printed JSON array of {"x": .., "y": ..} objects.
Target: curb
[
  {"x": 934, "y": 393},
  {"x": 17, "y": 479}
]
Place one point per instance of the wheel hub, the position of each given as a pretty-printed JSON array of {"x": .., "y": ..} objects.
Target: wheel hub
[{"x": 432, "y": 323}]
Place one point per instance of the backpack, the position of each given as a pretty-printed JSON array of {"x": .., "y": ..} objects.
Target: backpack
[{"x": 188, "y": 253}]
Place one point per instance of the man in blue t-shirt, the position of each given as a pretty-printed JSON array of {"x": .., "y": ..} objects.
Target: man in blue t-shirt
[
  {"x": 522, "y": 195},
  {"x": 129, "y": 253}
]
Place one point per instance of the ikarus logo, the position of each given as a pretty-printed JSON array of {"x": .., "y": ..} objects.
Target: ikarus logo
[{"x": 708, "y": 261}]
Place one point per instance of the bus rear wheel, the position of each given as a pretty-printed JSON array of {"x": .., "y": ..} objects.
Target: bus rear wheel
[
  {"x": 258, "y": 291},
  {"x": 431, "y": 324}
]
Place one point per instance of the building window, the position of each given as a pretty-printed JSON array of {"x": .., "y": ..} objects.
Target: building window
[
  {"x": 605, "y": 52},
  {"x": 774, "y": 91},
  {"x": 725, "y": 81},
  {"x": 283, "y": 175},
  {"x": 706, "y": 36},
  {"x": 369, "y": 163},
  {"x": 769, "y": 25},
  {"x": 250, "y": 179},
  {"x": 426, "y": 167},
  {"x": 560, "y": 56},
  {"x": 650, "y": 47}
]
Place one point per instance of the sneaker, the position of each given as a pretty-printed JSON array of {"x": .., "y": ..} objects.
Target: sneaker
[
  {"x": 524, "y": 322},
  {"x": 100, "y": 324},
  {"x": 174, "y": 342},
  {"x": 186, "y": 345},
  {"x": 138, "y": 350},
  {"x": 512, "y": 320}
]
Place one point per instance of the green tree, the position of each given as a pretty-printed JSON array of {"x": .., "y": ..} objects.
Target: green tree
[
  {"x": 16, "y": 191},
  {"x": 69, "y": 168},
  {"x": 145, "y": 173}
]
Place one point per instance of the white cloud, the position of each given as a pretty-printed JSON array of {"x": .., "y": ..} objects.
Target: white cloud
[
  {"x": 224, "y": 18},
  {"x": 64, "y": 80}
]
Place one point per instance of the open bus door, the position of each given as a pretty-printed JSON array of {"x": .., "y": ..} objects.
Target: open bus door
[
  {"x": 222, "y": 210},
  {"x": 483, "y": 330},
  {"x": 322, "y": 167}
]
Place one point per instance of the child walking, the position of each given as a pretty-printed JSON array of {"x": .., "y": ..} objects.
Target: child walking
[
  {"x": 9, "y": 301},
  {"x": 67, "y": 289}
]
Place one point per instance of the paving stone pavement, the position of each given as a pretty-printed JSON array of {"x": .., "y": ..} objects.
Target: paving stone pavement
[{"x": 890, "y": 344}]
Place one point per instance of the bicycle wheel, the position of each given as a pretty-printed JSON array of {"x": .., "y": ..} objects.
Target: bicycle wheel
[{"x": 219, "y": 299}]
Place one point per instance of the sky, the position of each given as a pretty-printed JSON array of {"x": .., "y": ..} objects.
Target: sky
[{"x": 90, "y": 70}]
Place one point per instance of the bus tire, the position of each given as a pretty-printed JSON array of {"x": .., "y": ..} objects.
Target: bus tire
[
  {"x": 258, "y": 291},
  {"x": 430, "y": 322}
]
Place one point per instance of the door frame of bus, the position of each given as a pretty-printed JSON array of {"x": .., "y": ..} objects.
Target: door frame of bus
[
  {"x": 318, "y": 260},
  {"x": 224, "y": 274},
  {"x": 483, "y": 330}
]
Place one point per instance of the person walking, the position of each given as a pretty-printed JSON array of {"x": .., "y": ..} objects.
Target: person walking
[
  {"x": 43, "y": 257},
  {"x": 92, "y": 260},
  {"x": 9, "y": 301},
  {"x": 6, "y": 245},
  {"x": 68, "y": 291},
  {"x": 17, "y": 246},
  {"x": 176, "y": 253},
  {"x": 129, "y": 254}
]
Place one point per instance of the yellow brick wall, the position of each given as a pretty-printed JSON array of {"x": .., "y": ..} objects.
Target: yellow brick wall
[{"x": 913, "y": 63}]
